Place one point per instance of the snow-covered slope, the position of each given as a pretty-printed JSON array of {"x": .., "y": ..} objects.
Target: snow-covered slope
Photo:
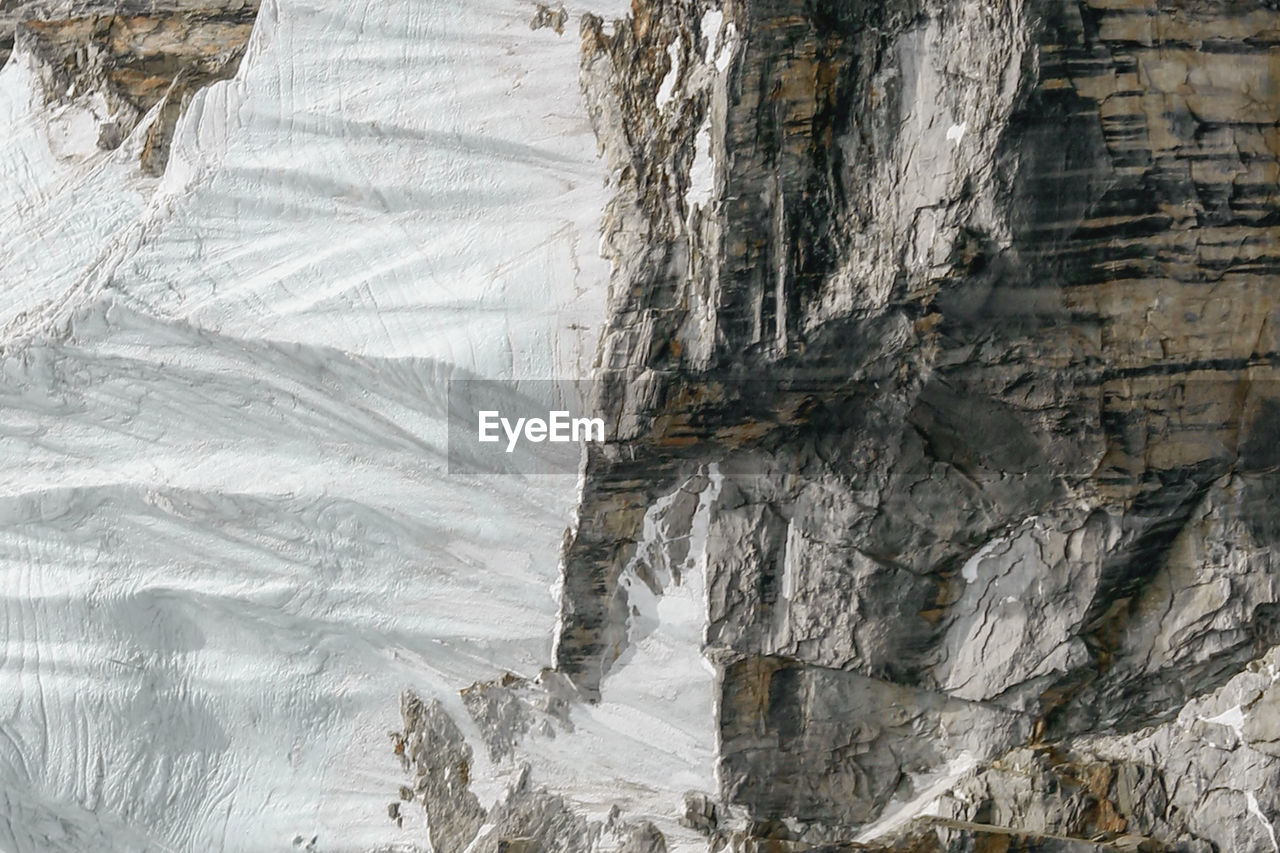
[{"x": 227, "y": 536}]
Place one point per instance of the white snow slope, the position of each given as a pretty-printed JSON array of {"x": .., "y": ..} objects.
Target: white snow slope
[{"x": 227, "y": 536}]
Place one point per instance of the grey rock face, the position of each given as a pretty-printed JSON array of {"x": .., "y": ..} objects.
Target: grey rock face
[
  {"x": 645, "y": 838},
  {"x": 433, "y": 749},
  {"x": 831, "y": 746},
  {"x": 976, "y": 318},
  {"x": 528, "y": 817},
  {"x": 535, "y": 820},
  {"x": 700, "y": 813},
  {"x": 508, "y": 709}
]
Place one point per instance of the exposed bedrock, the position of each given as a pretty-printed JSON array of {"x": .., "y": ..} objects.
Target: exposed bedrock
[
  {"x": 973, "y": 307},
  {"x": 129, "y": 58}
]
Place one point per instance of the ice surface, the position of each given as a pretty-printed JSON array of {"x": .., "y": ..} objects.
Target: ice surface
[
  {"x": 702, "y": 173},
  {"x": 227, "y": 536},
  {"x": 652, "y": 737},
  {"x": 666, "y": 89},
  {"x": 62, "y": 202},
  {"x": 1233, "y": 718}
]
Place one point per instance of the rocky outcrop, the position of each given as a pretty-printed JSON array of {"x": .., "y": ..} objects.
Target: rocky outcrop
[
  {"x": 137, "y": 56},
  {"x": 527, "y": 817},
  {"x": 434, "y": 750},
  {"x": 973, "y": 306}
]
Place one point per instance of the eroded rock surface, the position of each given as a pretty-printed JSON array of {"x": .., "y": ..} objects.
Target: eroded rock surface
[
  {"x": 973, "y": 305},
  {"x": 433, "y": 750}
]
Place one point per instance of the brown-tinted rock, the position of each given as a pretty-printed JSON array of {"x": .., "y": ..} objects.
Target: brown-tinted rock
[
  {"x": 976, "y": 320},
  {"x": 136, "y": 55}
]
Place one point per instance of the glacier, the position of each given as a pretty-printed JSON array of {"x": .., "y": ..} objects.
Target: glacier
[{"x": 229, "y": 536}]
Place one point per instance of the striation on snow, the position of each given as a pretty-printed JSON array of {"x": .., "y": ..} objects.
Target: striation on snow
[{"x": 938, "y": 344}]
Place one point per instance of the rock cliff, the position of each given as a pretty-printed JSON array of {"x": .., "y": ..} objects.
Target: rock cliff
[{"x": 972, "y": 308}]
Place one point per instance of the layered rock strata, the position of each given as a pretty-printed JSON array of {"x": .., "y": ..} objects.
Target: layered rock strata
[{"x": 973, "y": 307}]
